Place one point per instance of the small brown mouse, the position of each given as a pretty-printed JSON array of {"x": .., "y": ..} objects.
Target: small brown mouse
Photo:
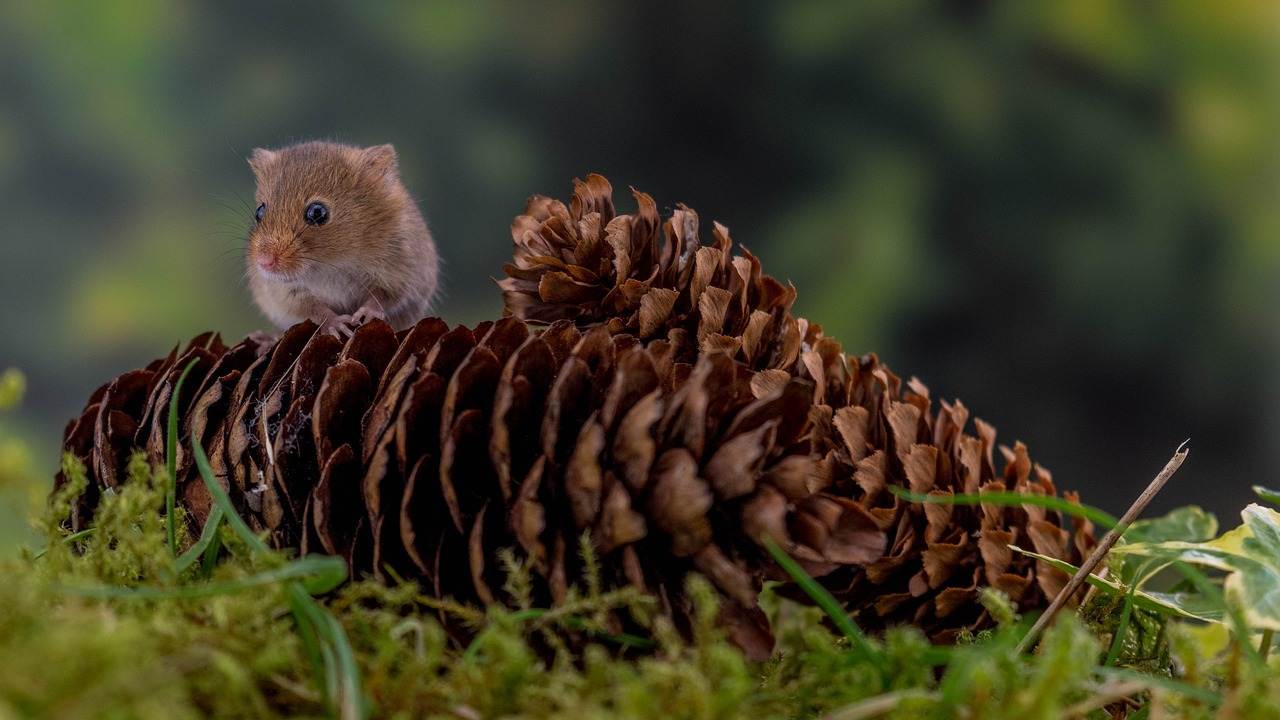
[{"x": 337, "y": 239}]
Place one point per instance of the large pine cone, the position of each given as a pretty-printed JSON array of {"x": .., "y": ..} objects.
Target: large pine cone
[
  {"x": 675, "y": 443},
  {"x": 426, "y": 453}
]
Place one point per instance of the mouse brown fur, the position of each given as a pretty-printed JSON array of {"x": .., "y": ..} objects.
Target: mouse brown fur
[{"x": 337, "y": 239}]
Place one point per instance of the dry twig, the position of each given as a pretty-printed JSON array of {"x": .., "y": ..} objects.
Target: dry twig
[
  {"x": 1108, "y": 541},
  {"x": 878, "y": 705}
]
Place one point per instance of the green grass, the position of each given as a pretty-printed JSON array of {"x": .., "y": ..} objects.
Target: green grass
[
  {"x": 108, "y": 620},
  {"x": 171, "y": 459}
]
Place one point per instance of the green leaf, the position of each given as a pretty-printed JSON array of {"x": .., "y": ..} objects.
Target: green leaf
[
  {"x": 1249, "y": 554},
  {"x": 1267, "y": 494},
  {"x": 1255, "y": 586},
  {"x": 1219, "y": 553},
  {"x": 1255, "y": 589},
  {"x": 352, "y": 703},
  {"x": 1265, "y": 525},
  {"x": 1185, "y": 524},
  {"x": 1192, "y": 603},
  {"x": 1190, "y": 524}
]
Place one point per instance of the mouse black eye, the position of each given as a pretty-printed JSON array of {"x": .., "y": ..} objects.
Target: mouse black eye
[
  {"x": 262, "y": 210},
  {"x": 316, "y": 214}
]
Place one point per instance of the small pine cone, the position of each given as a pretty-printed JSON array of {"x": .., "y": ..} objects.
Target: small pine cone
[{"x": 651, "y": 279}]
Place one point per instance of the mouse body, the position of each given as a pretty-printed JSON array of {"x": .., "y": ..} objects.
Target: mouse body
[{"x": 337, "y": 238}]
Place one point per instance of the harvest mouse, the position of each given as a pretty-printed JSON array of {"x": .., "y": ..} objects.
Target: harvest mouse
[{"x": 337, "y": 239}]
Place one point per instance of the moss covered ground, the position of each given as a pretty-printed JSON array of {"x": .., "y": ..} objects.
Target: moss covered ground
[{"x": 112, "y": 623}]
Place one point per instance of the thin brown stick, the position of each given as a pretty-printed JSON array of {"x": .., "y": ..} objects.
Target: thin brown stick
[
  {"x": 1108, "y": 541},
  {"x": 1105, "y": 696},
  {"x": 878, "y": 705}
]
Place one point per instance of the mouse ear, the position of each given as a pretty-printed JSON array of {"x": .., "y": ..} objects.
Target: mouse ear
[
  {"x": 380, "y": 159},
  {"x": 259, "y": 159}
]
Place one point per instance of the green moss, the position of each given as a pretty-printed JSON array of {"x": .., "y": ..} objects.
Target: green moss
[{"x": 239, "y": 654}]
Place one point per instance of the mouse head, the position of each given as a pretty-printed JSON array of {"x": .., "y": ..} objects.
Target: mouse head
[{"x": 318, "y": 205}]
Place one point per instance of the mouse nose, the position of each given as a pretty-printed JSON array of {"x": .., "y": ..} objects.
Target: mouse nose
[{"x": 270, "y": 263}]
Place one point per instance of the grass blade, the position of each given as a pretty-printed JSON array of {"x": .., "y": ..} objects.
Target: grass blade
[
  {"x": 323, "y": 638},
  {"x": 207, "y": 536},
  {"x": 341, "y": 674},
  {"x": 210, "y": 559},
  {"x": 73, "y": 537},
  {"x": 352, "y": 703},
  {"x": 519, "y": 616},
  {"x": 824, "y": 600},
  {"x": 626, "y": 640},
  {"x": 1122, "y": 627},
  {"x": 298, "y": 600},
  {"x": 320, "y": 584},
  {"x": 220, "y": 498},
  {"x": 171, "y": 458},
  {"x": 1013, "y": 499}
]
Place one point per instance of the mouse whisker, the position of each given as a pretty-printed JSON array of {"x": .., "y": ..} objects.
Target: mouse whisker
[
  {"x": 235, "y": 196},
  {"x": 343, "y": 272},
  {"x": 365, "y": 287},
  {"x": 237, "y": 210},
  {"x": 229, "y": 237},
  {"x": 296, "y": 235}
]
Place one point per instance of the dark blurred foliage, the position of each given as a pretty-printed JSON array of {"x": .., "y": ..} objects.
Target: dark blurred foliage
[{"x": 1064, "y": 213}]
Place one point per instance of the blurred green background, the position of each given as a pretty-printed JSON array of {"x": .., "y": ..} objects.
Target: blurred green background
[{"x": 1065, "y": 213}]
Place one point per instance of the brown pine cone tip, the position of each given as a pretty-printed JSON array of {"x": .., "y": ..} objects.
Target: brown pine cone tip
[
  {"x": 672, "y": 408},
  {"x": 648, "y": 278}
]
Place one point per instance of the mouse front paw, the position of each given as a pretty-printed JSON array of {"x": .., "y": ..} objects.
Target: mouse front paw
[
  {"x": 339, "y": 326},
  {"x": 367, "y": 314}
]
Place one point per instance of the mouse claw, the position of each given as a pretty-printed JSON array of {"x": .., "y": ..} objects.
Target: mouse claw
[
  {"x": 339, "y": 326},
  {"x": 367, "y": 314}
]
